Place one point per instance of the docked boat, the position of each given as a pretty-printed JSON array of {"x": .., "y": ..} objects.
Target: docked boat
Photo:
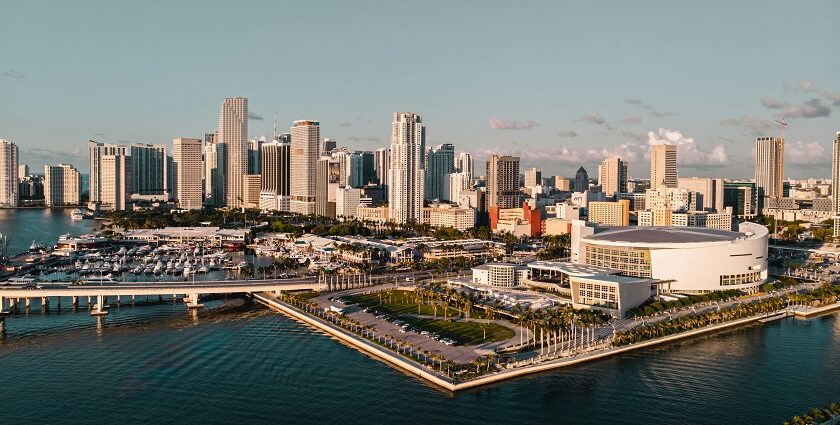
[
  {"x": 100, "y": 279},
  {"x": 77, "y": 215}
]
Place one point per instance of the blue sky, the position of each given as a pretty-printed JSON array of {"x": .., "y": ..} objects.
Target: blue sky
[{"x": 562, "y": 84}]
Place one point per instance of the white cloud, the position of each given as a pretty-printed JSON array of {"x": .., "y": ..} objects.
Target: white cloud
[
  {"x": 806, "y": 153},
  {"x": 631, "y": 120},
  {"x": 595, "y": 118},
  {"x": 772, "y": 103},
  {"x": 688, "y": 152},
  {"x": 567, "y": 133},
  {"x": 808, "y": 86},
  {"x": 500, "y": 124},
  {"x": 812, "y": 108}
]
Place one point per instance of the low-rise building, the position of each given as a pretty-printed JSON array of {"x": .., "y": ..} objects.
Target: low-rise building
[
  {"x": 610, "y": 213},
  {"x": 446, "y": 215},
  {"x": 503, "y": 275}
]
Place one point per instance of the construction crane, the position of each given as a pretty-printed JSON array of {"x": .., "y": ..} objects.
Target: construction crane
[{"x": 782, "y": 125}]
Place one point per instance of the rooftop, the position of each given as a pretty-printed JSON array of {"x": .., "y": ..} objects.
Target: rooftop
[
  {"x": 572, "y": 269},
  {"x": 664, "y": 235}
]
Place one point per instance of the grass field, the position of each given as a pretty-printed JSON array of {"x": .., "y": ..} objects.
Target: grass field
[{"x": 464, "y": 333}]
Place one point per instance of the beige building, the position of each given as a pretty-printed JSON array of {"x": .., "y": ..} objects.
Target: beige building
[
  {"x": 610, "y": 213},
  {"x": 96, "y": 151},
  {"x": 665, "y": 217},
  {"x": 612, "y": 176},
  {"x": 233, "y": 133},
  {"x": 533, "y": 177},
  {"x": 251, "y": 191},
  {"x": 562, "y": 183},
  {"x": 306, "y": 139},
  {"x": 115, "y": 181},
  {"x": 769, "y": 168},
  {"x": 449, "y": 216},
  {"x": 502, "y": 181},
  {"x": 9, "y": 190},
  {"x": 710, "y": 191},
  {"x": 347, "y": 201},
  {"x": 188, "y": 166},
  {"x": 62, "y": 185},
  {"x": 373, "y": 214},
  {"x": 663, "y": 166}
]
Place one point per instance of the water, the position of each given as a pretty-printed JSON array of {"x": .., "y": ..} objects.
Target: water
[
  {"x": 22, "y": 226},
  {"x": 158, "y": 363}
]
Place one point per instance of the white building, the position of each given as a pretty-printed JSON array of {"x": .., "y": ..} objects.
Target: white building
[
  {"x": 62, "y": 185},
  {"x": 115, "y": 181},
  {"x": 769, "y": 168},
  {"x": 9, "y": 191},
  {"x": 683, "y": 259},
  {"x": 459, "y": 182},
  {"x": 612, "y": 176},
  {"x": 406, "y": 175},
  {"x": 503, "y": 275},
  {"x": 449, "y": 216},
  {"x": 306, "y": 136},
  {"x": 96, "y": 151},
  {"x": 233, "y": 133},
  {"x": 187, "y": 164},
  {"x": 347, "y": 201},
  {"x": 663, "y": 166},
  {"x": 275, "y": 171}
]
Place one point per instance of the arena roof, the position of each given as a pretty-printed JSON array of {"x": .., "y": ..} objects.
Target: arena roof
[{"x": 653, "y": 235}]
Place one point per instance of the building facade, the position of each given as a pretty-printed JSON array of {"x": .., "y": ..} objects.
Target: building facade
[
  {"x": 612, "y": 176},
  {"x": 769, "y": 169},
  {"x": 440, "y": 163},
  {"x": 188, "y": 166},
  {"x": 502, "y": 181},
  {"x": 233, "y": 133},
  {"x": 406, "y": 173},
  {"x": 306, "y": 137},
  {"x": 9, "y": 161},
  {"x": 663, "y": 166}
]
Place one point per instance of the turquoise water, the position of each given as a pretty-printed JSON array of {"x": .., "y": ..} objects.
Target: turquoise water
[{"x": 157, "y": 363}]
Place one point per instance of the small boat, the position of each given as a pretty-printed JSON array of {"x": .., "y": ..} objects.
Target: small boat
[
  {"x": 202, "y": 269},
  {"x": 100, "y": 279},
  {"x": 77, "y": 215}
]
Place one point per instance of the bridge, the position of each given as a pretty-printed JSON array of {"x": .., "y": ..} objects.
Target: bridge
[{"x": 13, "y": 296}]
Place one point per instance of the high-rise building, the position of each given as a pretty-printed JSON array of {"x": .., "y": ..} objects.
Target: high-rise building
[
  {"x": 459, "y": 182},
  {"x": 233, "y": 133},
  {"x": 464, "y": 163},
  {"x": 562, "y": 183},
  {"x": 149, "y": 172},
  {"x": 306, "y": 136},
  {"x": 327, "y": 182},
  {"x": 835, "y": 176},
  {"x": 440, "y": 163},
  {"x": 533, "y": 177},
  {"x": 502, "y": 181},
  {"x": 769, "y": 169},
  {"x": 187, "y": 164},
  {"x": 215, "y": 166},
  {"x": 612, "y": 176},
  {"x": 663, "y": 166},
  {"x": 368, "y": 168},
  {"x": 96, "y": 151},
  {"x": 9, "y": 189},
  {"x": 327, "y": 146},
  {"x": 254, "y": 149},
  {"x": 23, "y": 171},
  {"x": 115, "y": 181},
  {"x": 609, "y": 213},
  {"x": 710, "y": 192},
  {"x": 581, "y": 180},
  {"x": 251, "y": 191},
  {"x": 62, "y": 185},
  {"x": 381, "y": 158},
  {"x": 742, "y": 198},
  {"x": 347, "y": 201},
  {"x": 276, "y": 172},
  {"x": 406, "y": 172}
]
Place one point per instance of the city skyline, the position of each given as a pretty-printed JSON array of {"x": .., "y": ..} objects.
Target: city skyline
[{"x": 567, "y": 110}]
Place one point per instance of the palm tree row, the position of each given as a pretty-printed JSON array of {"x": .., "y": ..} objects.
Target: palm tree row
[
  {"x": 562, "y": 329},
  {"x": 816, "y": 415},
  {"x": 695, "y": 321}
]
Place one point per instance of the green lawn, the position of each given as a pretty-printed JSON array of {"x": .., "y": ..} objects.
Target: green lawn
[
  {"x": 401, "y": 306},
  {"x": 465, "y": 333}
]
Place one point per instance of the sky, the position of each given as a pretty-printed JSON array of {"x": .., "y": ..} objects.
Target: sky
[{"x": 561, "y": 84}]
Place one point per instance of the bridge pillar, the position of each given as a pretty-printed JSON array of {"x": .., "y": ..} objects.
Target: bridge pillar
[
  {"x": 45, "y": 302},
  {"x": 193, "y": 301},
  {"x": 74, "y": 300},
  {"x": 12, "y": 304},
  {"x": 100, "y": 309},
  {"x": 28, "y": 303},
  {"x": 132, "y": 299}
]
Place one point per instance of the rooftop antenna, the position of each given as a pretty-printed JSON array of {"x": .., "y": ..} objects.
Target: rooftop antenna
[{"x": 274, "y": 137}]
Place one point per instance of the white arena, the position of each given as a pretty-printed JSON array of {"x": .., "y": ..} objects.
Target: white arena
[{"x": 688, "y": 260}]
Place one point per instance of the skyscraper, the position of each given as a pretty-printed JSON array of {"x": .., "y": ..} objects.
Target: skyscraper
[
  {"x": 306, "y": 136},
  {"x": 612, "y": 176},
  {"x": 23, "y": 171},
  {"x": 115, "y": 182},
  {"x": 149, "y": 173},
  {"x": 327, "y": 146},
  {"x": 368, "y": 168},
  {"x": 381, "y": 158},
  {"x": 710, "y": 192},
  {"x": 464, "y": 163},
  {"x": 233, "y": 133},
  {"x": 96, "y": 151},
  {"x": 254, "y": 155},
  {"x": 440, "y": 163},
  {"x": 275, "y": 165},
  {"x": 9, "y": 195},
  {"x": 327, "y": 182},
  {"x": 533, "y": 177},
  {"x": 62, "y": 185},
  {"x": 406, "y": 172},
  {"x": 769, "y": 169},
  {"x": 502, "y": 181},
  {"x": 663, "y": 166},
  {"x": 835, "y": 185},
  {"x": 186, "y": 159},
  {"x": 581, "y": 180}
]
